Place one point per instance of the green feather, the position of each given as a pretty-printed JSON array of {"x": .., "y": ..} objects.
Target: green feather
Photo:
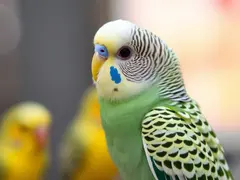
[{"x": 122, "y": 125}]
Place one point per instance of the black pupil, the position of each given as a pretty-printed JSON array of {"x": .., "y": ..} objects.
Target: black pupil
[{"x": 125, "y": 52}]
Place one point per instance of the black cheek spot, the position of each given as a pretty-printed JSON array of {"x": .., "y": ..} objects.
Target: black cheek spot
[{"x": 115, "y": 89}]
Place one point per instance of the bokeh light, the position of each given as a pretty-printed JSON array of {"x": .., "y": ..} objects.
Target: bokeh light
[{"x": 9, "y": 29}]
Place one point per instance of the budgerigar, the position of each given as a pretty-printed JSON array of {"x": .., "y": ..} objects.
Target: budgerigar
[
  {"x": 83, "y": 152},
  {"x": 24, "y": 142},
  {"x": 154, "y": 129}
]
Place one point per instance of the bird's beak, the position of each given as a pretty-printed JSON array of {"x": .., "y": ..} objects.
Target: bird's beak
[
  {"x": 41, "y": 136},
  {"x": 97, "y": 62}
]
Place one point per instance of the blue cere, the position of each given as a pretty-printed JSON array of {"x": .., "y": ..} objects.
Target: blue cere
[{"x": 101, "y": 50}]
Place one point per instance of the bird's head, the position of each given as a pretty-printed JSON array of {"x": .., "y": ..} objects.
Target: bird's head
[
  {"x": 26, "y": 125},
  {"x": 129, "y": 59}
]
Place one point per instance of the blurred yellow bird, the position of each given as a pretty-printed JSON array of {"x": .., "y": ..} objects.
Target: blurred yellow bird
[
  {"x": 83, "y": 152},
  {"x": 24, "y": 142}
]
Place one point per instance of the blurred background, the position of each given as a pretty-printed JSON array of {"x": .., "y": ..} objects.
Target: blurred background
[{"x": 46, "y": 49}]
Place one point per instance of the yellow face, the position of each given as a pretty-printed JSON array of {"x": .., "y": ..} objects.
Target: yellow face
[
  {"x": 111, "y": 48},
  {"x": 30, "y": 137},
  {"x": 28, "y": 126}
]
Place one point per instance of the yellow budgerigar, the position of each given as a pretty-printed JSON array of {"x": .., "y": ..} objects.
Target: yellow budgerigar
[
  {"x": 24, "y": 142},
  {"x": 83, "y": 151}
]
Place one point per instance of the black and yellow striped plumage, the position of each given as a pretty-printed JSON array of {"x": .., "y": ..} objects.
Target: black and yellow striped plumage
[{"x": 179, "y": 141}]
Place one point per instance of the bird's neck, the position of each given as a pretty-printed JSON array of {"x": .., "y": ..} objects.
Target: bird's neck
[
  {"x": 126, "y": 114},
  {"x": 169, "y": 79}
]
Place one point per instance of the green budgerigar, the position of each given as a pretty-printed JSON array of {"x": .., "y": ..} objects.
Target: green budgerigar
[{"x": 153, "y": 128}]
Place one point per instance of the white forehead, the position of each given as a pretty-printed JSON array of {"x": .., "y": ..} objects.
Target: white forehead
[{"x": 118, "y": 28}]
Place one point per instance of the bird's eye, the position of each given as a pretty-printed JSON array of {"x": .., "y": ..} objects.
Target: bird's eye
[
  {"x": 124, "y": 53},
  {"x": 23, "y": 128}
]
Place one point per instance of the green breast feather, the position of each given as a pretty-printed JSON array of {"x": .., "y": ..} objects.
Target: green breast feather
[{"x": 174, "y": 141}]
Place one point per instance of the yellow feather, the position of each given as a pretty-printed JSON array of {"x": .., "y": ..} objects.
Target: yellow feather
[
  {"x": 21, "y": 157},
  {"x": 95, "y": 162}
]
